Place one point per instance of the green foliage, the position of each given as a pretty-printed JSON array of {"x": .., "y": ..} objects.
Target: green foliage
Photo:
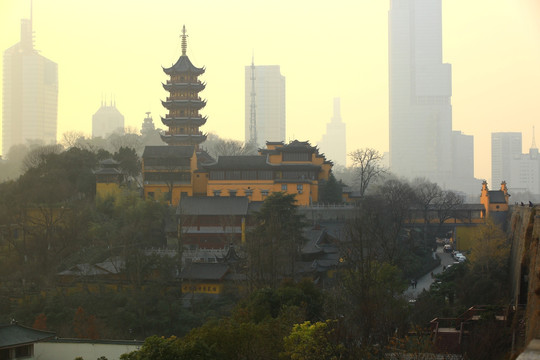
[
  {"x": 269, "y": 303},
  {"x": 309, "y": 341},
  {"x": 129, "y": 161},
  {"x": 331, "y": 191},
  {"x": 372, "y": 303},
  {"x": 274, "y": 243}
]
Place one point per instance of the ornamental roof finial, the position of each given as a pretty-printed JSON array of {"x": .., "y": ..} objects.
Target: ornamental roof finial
[{"x": 184, "y": 42}]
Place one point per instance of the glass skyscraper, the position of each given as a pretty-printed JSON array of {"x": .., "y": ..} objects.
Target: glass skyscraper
[{"x": 30, "y": 94}]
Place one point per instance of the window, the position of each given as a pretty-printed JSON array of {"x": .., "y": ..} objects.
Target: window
[
  {"x": 249, "y": 174},
  {"x": 217, "y": 192},
  {"x": 296, "y": 156},
  {"x": 300, "y": 188},
  {"x": 264, "y": 193},
  {"x": 151, "y": 194},
  {"x": 248, "y": 192},
  {"x": 284, "y": 187},
  {"x": 232, "y": 193},
  {"x": 217, "y": 175},
  {"x": 265, "y": 175},
  {"x": 23, "y": 351},
  {"x": 233, "y": 175}
]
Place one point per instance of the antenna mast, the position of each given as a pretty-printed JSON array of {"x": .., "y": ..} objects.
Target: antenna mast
[{"x": 253, "y": 114}]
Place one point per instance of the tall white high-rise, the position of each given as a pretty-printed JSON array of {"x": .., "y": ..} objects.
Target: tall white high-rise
[
  {"x": 107, "y": 120},
  {"x": 30, "y": 93},
  {"x": 333, "y": 144},
  {"x": 419, "y": 92},
  {"x": 269, "y": 96},
  {"x": 505, "y": 146}
]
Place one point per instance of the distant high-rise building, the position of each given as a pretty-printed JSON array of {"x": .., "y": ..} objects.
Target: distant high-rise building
[
  {"x": 147, "y": 125},
  {"x": 419, "y": 92},
  {"x": 520, "y": 171},
  {"x": 269, "y": 104},
  {"x": 505, "y": 146},
  {"x": 107, "y": 120},
  {"x": 30, "y": 88},
  {"x": 333, "y": 144}
]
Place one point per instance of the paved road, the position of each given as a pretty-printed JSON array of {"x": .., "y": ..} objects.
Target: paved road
[{"x": 425, "y": 281}]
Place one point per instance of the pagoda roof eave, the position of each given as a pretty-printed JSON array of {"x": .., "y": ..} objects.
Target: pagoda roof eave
[
  {"x": 199, "y": 121},
  {"x": 183, "y": 65},
  {"x": 171, "y": 104},
  {"x": 181, "y": 85},
  {"x": 183, "y": 138}
]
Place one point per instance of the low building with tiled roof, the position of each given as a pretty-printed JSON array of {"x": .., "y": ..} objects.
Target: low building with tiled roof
[
  {"x": 495, "y": 201},
  {"x": 212, "y": 222},
  {"x": 295, "y": 168},
  {"x": 17, "y": 341}
]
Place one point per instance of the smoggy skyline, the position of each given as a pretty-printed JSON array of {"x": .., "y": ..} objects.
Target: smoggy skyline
[{"x": 324, "y": 50}]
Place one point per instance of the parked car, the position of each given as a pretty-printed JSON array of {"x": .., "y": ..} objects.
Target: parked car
[
  {"x": 461, "y": 258},
  {"x": 447, "y": 248}
]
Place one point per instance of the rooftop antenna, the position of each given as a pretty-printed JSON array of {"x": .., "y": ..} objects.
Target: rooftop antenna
[
  {"x": 184, "y": 40},
  {"x": 32, "y": 22},
  {"x": 253, "y": 110}
]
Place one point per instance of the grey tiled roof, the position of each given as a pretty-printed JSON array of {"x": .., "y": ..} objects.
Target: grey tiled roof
[
  {"x": 312, "y": 245},
  {"x": 204, "y": 271},
  {"x": 496, "y": 197},
  {"x": 183, "y": 64},
  {"x": 14, "y": 334},
  {"x": 213, "y": 205},
  {"x": 184, "y": 151},
  {"x": 108, "y": 171},
  {"x": 109, "y": 162}
]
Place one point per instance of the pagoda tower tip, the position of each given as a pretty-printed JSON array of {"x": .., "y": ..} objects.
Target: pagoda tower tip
[{"x": 184, "y": 40}]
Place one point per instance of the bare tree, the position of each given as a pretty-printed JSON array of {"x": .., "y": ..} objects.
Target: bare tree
[
  {"x": 37, "y": 156},
  {"x": 216, "y": 146},
  {"x": 427, "y": 194},
  {"x": 448, "y": 205},
  {"x": 70, "y": 138},
  {"x": 366, "y": 163}
]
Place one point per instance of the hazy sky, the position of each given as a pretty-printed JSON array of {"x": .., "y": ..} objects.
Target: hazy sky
[{"x": 325, "y": 50}]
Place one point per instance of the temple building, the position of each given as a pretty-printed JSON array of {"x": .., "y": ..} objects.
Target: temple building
[
  {"x": 183, "y": 170},
  {"x": 168, "y": 170},
  {"x": 294, "y": 168},
  {"x": 183, "y": 102}
]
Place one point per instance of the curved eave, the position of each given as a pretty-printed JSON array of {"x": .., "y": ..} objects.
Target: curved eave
[
  {"x": 184, "y": 120},
  {"x": 183, "y": 139},
  {"x": 183, "y": 66},
  {"x": 188, "y": 86},
  {"x": 176, "y": 104}
]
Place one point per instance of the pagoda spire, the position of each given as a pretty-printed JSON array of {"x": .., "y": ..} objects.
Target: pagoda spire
[{"x": 184, "y": 40}]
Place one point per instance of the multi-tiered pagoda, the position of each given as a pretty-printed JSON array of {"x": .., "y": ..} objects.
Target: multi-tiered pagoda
[{"x": 183, "y": 102}]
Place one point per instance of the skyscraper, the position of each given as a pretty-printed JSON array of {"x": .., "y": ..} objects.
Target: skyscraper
[
  {"x": 269, "y": 98},
  {"x": 30, "y": 88},
  {"x": 333, "y": 144},
  {"x": 107, "y": 120},
  {"x": 505, "y": 146},
  {"x": 420, "y": 92}
]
